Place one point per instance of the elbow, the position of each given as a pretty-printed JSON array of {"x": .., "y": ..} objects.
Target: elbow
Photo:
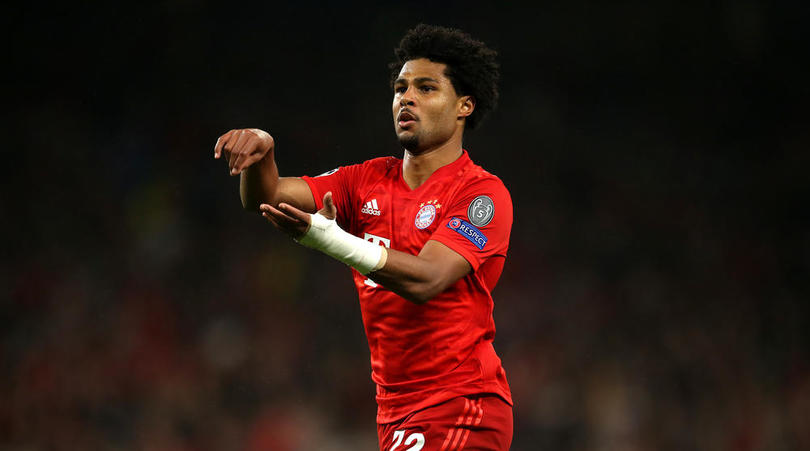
[
  {"x": 424, "y": 289},
  {"x": 253, "y": 204},
  {"x": 417, "y": 280},
  {"x": 416, "y": 298},
  {"x": 250, "y": 206},
  {"x": 249, "y": 203},
  {"x": 421, "y": 293}
]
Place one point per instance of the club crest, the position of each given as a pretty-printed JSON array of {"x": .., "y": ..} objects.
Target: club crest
[{"x": 426, "y": 214}]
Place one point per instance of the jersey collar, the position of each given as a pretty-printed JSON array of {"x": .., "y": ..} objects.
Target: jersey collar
[{"x": 448, "y": 170}]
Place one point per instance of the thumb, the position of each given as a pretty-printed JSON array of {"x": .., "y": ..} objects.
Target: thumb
[{"x": 328, "y": 211}]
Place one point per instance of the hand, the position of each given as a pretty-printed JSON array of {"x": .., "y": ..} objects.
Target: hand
[
  {"x": 243, "y": 147},
  {"x": 293, "y": 221}
]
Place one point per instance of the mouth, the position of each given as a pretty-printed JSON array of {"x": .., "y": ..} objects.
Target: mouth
[{"x": 405, "y": 119}]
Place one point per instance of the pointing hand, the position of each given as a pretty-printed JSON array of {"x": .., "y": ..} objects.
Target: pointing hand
[{"x": 243, "y": 147}]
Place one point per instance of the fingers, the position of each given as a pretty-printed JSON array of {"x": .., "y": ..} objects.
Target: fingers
[
  {"x": 328, "y": 211},
  {"x": 294, "y": 212},
  {"x": 246, "y": 161},
  {"x": 249, "y": 155},
  {"x": 286, "y": 218},
  {"x": 271, "y": 219},
  {"x": 278, "y": 215},
  {"x": 238, "y": 147},
  {"x": 280, "y": 220},
  {"x": 243, "y": 147},
  {"x": 221, "y": 141}
]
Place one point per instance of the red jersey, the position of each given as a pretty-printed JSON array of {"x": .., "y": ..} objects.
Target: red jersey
[{"x": 422, "y": 355}]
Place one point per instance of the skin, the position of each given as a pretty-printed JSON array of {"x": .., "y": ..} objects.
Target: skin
[
  {"x": 434, "y": 139},
  {"x": 431, "y": 138}
]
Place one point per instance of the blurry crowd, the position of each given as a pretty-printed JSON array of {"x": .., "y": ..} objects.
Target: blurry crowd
[
  {"x": 654, "y": 295},
  {"x": 180, "y": 322}
]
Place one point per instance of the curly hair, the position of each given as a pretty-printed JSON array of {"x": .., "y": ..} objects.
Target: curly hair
[{"x": 471, "y": 65}]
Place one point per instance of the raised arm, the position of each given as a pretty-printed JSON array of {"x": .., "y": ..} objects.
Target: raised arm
[{"x": 250, "y": 154}]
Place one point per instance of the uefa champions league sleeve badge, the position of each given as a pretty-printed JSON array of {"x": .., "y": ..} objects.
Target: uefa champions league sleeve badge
[{"x": 481, "y": 211}]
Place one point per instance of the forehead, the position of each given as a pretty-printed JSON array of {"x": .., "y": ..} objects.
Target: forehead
[{"x": 423, "y": 68}]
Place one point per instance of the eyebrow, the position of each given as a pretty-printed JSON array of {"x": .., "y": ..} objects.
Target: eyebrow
[{"x": 416, "y": 80}]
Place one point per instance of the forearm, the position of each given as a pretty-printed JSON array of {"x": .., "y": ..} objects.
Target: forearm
[
  {"x": 415, "y": 278},
  {"x": 259, "y": 183}
]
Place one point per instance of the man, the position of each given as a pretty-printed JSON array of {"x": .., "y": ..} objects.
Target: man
[{"x": 427, "y": 236}]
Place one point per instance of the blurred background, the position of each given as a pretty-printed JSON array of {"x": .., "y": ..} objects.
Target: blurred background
[{"x": 654, "y": 298}]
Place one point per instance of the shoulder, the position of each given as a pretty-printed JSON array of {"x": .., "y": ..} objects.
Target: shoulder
[
  {"x": 374, "y": 170},
  {"x": 477, "y": 179},
  {"x": 381, "y": 164},
  {"x": 483, "y": 197},
  {"x": 367, "y": 168}
]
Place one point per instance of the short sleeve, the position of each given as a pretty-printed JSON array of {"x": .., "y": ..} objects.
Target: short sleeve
[
  {"x": 478, "y": 223},
  {"x": 339, "y": 181}
]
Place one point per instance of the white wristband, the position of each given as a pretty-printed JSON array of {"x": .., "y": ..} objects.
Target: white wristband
[{"x": 326, "y": 236}]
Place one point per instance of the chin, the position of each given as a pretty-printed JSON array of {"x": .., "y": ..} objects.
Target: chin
[{"x": 409, "y": 142}]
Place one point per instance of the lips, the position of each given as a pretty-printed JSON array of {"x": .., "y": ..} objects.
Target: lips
[
  {"x": 406, "y": 115},
  {"x": 406, "y": 118}
]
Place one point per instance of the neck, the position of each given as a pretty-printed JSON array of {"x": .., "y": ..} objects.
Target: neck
[{"x": 418, "y": 167}]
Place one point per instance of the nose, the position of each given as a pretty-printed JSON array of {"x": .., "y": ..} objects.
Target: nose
[{"x": 406, "y": 98}]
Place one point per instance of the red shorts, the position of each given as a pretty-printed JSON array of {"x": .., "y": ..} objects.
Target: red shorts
[{"x": 481, "y": 422}]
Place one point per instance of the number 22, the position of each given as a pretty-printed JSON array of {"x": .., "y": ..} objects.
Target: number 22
[{"x": 415, "y": 437}]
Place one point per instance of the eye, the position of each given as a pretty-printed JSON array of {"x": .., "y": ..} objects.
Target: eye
[
  {"x": 426, "y": 88},
  {"x": 399, "y": 89}
]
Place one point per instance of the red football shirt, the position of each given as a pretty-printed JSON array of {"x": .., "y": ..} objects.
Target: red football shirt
[{"x": 422, "y": 355}]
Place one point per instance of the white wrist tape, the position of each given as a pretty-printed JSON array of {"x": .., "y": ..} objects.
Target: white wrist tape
[{"x": 326, "y": 236}]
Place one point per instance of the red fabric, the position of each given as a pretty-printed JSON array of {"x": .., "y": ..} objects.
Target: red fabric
[
  {"x": 467, "y": 422},
  {"x": 422, "y": 355}
]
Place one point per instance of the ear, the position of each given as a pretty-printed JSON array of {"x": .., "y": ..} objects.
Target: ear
[{"x": 466, "y": 106}]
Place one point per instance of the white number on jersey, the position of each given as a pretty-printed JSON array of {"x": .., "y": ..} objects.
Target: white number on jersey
[{"x": 415, "y": 437}]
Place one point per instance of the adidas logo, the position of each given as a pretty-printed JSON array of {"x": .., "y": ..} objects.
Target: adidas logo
[{"x": 371, "y": 208}]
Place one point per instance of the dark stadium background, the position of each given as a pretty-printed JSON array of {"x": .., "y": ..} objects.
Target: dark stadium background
[{"x": 655, "y": 295}]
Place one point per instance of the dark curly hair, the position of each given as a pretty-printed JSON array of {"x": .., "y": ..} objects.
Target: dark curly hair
[{"x": 471, "y": 65}]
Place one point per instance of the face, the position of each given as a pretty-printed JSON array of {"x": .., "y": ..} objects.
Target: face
[{"x": 427, "y": 111}]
